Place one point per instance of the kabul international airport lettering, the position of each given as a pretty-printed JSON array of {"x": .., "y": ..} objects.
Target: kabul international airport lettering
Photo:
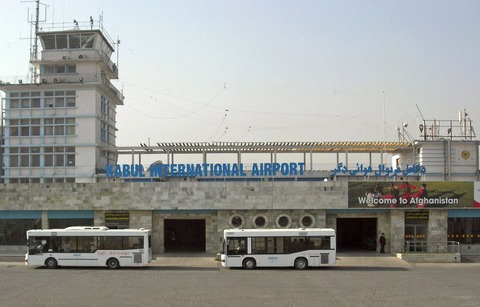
[{"x": 205, "y": 170}]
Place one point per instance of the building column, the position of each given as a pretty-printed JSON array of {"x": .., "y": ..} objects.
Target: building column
[{"x": 45, "y": 219}]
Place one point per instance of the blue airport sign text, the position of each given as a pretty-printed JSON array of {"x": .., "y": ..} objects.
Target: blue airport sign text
[{"x": 205, "y": 170}]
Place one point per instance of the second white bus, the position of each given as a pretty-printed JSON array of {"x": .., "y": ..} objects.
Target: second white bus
[
  {"x": 298, "y": 248},
  {"x": 89, "y": 246}
]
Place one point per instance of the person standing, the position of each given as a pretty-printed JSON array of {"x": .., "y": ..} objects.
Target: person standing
[{"x": 382, "y": 242}]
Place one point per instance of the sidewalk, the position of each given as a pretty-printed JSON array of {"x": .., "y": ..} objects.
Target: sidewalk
[
  {"x": 365, "y": 260},
  {"x": 370, "y": 260},
  {"x": 10, "y": 257},
  {"x": 202, "y": 260},
  {"x": 196, "y": 260}
]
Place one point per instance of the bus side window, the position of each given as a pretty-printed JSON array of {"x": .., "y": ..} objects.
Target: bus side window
[
  {"x": 86, "y": 244},
  {"x": 139, "y": 243},
  {"x": 133, "y": 242},
  {"x": 55, "y": 247},
  {"x": 42, "y": 246},
  {"x": 325, "y": 243},
  {"x": 237, "y": 246},
  {"x": 68, "y": 244}
]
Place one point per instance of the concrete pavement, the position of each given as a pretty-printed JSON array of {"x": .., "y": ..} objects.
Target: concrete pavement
[
  {"x": 343, "y": 260},
  {"x": 202, "y": 260}
]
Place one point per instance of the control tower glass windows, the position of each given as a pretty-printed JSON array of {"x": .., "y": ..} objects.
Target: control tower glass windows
[
  {"x": 105, "y": 111},
  {"x": 33, "y": 127},
  {"x": 68, "y": 41},
  {"x": 33, "y": 99},
  {"x": 25, "y": 102},
  {"x": 48, "y": 42},
  {"x": 62, "y": 41},
  {"x": 86, "y": 41},
  {"x": 59, "y": 126},
  {"x": 74, "y": 41},
  {"x": 52, "y": 156},
  {"x": 60, "y": 99},
  {"x": 105, "y": 106},
  {"x": 58, "y": 69},
  {"x": 24, "y": 127},
  {"x": 105, "y": 132}
]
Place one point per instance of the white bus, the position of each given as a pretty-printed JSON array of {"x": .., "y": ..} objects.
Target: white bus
[
  {"x": 89, "y": 246},
  {"x": 298, "y": 248}
]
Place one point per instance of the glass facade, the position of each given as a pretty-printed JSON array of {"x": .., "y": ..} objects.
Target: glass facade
[
  {"x": 64, "y": 223},
  {"x": 14, "y": 231},
  {"x": 41, "y": 117},
  {"x": 465, "y": 230},
  {"x": 68, "y": 41},
  {"x": 41, "y": 99}
]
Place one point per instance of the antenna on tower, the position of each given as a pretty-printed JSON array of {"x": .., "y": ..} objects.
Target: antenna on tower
[
  {"x": 421, "y": 115},
  {"x": 465, "y": 125},
  {"x": 422, "y": 125},
  {"x": 118, "y": 49},
  {"x": 34, "y": 37}
]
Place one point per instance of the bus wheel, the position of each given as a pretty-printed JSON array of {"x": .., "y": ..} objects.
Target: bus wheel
[
  {"x": 301, "y": 263},
  {"x": 249, "y": 263},
  {"x": 112, "y": 263},
  {"x": 51, "y": 263}
]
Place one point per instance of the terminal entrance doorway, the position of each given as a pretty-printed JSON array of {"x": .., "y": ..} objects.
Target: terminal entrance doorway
[
  {"x": 416, "y": 228},
  {"x": 184, "y": 235},
  {"x": 356, "y": 234}
]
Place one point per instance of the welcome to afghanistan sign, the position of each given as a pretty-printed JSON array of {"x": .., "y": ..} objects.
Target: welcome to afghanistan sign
[{"x": 420, "y": 194}]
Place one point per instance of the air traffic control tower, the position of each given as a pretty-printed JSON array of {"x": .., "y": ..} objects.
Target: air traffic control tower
[{"x": 60, "y": 125}]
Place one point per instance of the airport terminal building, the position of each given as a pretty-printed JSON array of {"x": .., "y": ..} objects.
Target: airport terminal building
[{"x": 60, "y": 169}]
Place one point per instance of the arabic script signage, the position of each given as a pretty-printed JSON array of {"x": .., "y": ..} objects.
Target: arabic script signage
[{"x": 383, "y": 170}]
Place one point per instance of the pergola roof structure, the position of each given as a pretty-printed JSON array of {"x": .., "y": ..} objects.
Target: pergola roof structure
[{"x": 266, "y": 147}]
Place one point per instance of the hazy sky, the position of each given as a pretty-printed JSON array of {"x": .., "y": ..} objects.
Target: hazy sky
[{"x": 275, "y": 70}]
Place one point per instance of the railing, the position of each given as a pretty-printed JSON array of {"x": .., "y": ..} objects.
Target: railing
[
  {"x": 77, "y": 25},
  {"x": 75, "y": 78},
  {"x": 432, "y": 247},
  {"x": 448, "y": 129},
  {"x": 75, "y": 55}
]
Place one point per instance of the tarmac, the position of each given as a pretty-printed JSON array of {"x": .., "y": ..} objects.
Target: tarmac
[
  {"x": 343, "y": 260},
  {"x": 202, "y": 260}
]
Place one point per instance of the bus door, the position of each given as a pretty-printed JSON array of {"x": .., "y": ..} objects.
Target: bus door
[{"x": 236, "y": 249}]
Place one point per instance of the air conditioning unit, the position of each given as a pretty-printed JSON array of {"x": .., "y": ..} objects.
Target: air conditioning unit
[
  {"x": 64, "y": 58},
  {"x": 81, "y": 57},
  {"x": 55, "y": 80}
]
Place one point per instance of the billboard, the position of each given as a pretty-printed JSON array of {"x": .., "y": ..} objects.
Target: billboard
[
  {"x": 407, "y": 195},
  {"x": 476, "y": 188}
]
